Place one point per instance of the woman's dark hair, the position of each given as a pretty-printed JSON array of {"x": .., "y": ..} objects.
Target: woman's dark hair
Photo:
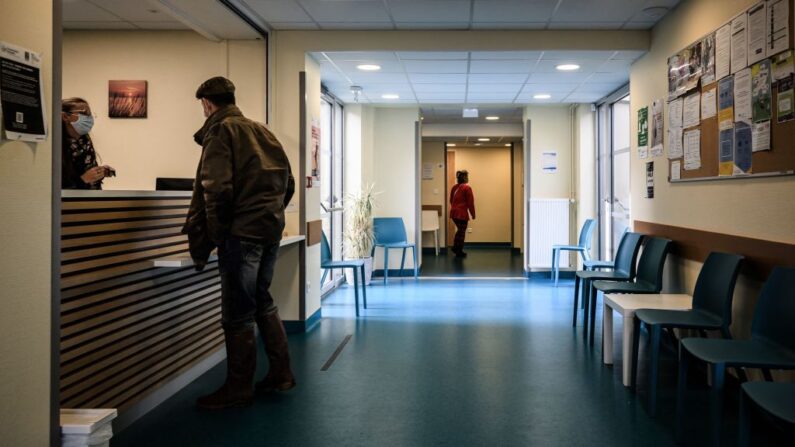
[
  {"x": 462, "y": 175},
  {"x": 69, "y": 105},
  {"x": 221, "y": 99}
]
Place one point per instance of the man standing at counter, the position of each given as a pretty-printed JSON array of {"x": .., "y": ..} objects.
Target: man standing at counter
[{"x": 243, "y": 184}]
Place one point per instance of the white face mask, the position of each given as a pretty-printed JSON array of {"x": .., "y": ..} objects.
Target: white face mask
[{"x": 84, "y": 124}]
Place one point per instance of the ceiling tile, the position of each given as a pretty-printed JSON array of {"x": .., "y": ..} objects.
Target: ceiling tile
[
  {"x": 615, "y": 66},
  {"x": 513, "y": 10},
  {"x": 491, "y": 97},
  {"x": 549, "y": 66},
  {"x": 602, "y": 10},
  {"x": 435, "y": 66},
  {"x": 134, "y": 11},
  {"x": 355, "y": 25},
  {"x": 432, "y": 25},
  {"x": 585, "y": 25},
  {"x": 279, "y": 11},
  {"x": 496, "y": 88},
  {"x": 560, "y": 78},
  {"x": 493, "y": 78},
  {"x": 638, "y": 25},
  {"x": 501, "y": 66},
  {"x": 528, "y": 96},
  {"x": 577, "y": 55},
  {"x": 430, "y": 11},
  {"x": 584, "y": 97},
  {"x": 548, "y": 87},
  {"x": 440, "y": 88},
  {"x": 386, "y": 66},
  {"x": 446, "y": 101},
  {"x": 83, "y": 11},
  {"x": 361, "y": 56},
  {"x": 346, "y": 11},
  {"x": 609, "y": 77},
  {"x": 293, "y": 25},
  {"x": 628, "y": 55},
  {"x": 98, "y": 25},
  {"x": 509, "y": 55},
  {"x": 438, "y": 78},
  {"x": 508, "y": 25},
  {"x": 161, "y": 25},
  {"x": 593, "y": 87},
  {"x": 433, "y": 55},
  {"x": 440, "y": 96},
  {"x": 377, "y": 78}
]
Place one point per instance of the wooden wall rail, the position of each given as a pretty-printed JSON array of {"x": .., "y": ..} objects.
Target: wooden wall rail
[
  {"x": 127, "y": 327},
  {"x": 761, "y": 255}
]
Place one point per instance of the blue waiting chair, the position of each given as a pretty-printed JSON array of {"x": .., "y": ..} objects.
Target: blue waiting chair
[
  {"x": 583, "y": 247},
  {"x": 391, "y": 233},
  {"x": 357, "y": 265},
  {"x": 773, "y": 399},
  {"x": 712, "y": 310},
  {"x": 772, "y": 346},
  {"x": 596, "y": 264}
]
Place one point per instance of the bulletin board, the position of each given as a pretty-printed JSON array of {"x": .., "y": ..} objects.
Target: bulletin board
[{"x": 778, "y": 160}]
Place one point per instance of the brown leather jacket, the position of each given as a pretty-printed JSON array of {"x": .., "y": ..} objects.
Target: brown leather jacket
[{"x": 243, "y": 183}]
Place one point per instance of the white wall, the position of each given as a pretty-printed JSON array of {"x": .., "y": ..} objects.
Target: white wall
[
  {"x": 25, "y": 235},
  {"x": 312, "y": 69},
  {"x": 174, "y": 63},
  {"x": 585, "y": 168}
]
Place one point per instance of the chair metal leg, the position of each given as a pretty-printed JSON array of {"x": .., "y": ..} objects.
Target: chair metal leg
[
  {"x": 681, "y": 389},
  {"x": 576, "y": 301},
  {"x": 592, "y": 328},
  {"x": 436, "y": 241},
  {"x": 386, "y": 265},
  {"x": 744, "y": 433},
  {"x": 402, "y": 262},
  {"x": 654, "y": 360},
  {"x": 364, "y": 287},
  {"x": 586, "y": 298},
  {"x": 356, "y": 289},
  {"x": 716, "y": 404},
  {"x": 555, "y": 264},
  {"x": 416, "y": 267},
  {"x": 635, "y": 348}
]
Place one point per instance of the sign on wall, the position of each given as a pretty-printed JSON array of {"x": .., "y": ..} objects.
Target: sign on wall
[{"x": 21, "y": 94}]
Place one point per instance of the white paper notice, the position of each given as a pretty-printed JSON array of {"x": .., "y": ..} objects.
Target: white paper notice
[
  {"x": 778, "y": 26},
  {"x": 761, "y": 136},
  {"x": 739, "y": 43},
  {"x": 643, "y": 151},
  {"x": 549, "y": 161},
  {"x": 723, "y": 51},
  {"x": 709, "y": 105},
  {"x": 692, "y": 147},
  {"x": 675, "y": 142},
  {"x": 691, "y": 113},
  {"x": 757, "y": 32},
  {"x": 742, "y": 96},
  {"x": 675, "y": 113},
  {"x": 676, "y": 170}
]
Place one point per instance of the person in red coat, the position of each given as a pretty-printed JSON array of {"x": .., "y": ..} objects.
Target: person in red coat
[{"x": 462, "y": 205}]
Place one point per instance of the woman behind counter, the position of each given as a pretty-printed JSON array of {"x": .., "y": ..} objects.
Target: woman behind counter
[{"x": 79, "y": 166}]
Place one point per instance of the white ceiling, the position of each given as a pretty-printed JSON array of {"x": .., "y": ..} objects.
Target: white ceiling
[
  {"x": 508, "y": 77},
  {"x": 447, "y": 114},
  {"x": 457, "y": 14}
]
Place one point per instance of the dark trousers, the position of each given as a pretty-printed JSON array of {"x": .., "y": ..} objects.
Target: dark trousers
[
  {"x": 246, "y": 272},
  {"x": 460, "y": 234}
]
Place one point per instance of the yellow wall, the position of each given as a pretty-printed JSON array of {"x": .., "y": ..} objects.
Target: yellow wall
[
  {"x": 585, "y": 169},
  {"x": 758, "y": 208},
  {"x": 174, "y": 63},
  {"x": 518, "y": 196},
  {"x": 490, "y": 179},
  {"x": 25, "y": 235}
]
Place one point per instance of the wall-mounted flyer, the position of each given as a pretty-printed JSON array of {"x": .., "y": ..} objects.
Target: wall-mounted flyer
[
  {"x": 649, "y": 179},
  {"x": 643, "y": 132},
  {"x": 22, "y": 94},
  {"x": 657, "y": 128},
  {"x": 742, "y": 149}
]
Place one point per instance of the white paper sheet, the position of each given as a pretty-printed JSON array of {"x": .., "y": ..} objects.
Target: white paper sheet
[
  {"x": 676, "y": 170},
  {"x": 757, "y": 32},
  {"x": 657, "y": 125},
  {"x": 739, "y": 43},
  {"x": 692, "y": 147},
  {"x": 761, "y": 136},
  {"x": 691, "y": 112},
  {"x": 723, "y": 51},
  {"x": 742, "y": 96},
  {"x": 549, "y": 161},
  {"x": 675, "y": 113},
  {"x": 709, "y": 104},
  {"x": 778, "y": 26},
  {"x": 675, "y": 142}
]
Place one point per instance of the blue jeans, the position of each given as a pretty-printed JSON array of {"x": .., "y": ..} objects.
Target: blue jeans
[{"x": 246, "y": 272}]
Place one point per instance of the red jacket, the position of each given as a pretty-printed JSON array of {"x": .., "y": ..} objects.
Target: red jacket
[{"x": 461, "y": 201}]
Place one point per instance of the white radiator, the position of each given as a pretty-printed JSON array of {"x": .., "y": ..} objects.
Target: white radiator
[{"x": 549, "y": 225}]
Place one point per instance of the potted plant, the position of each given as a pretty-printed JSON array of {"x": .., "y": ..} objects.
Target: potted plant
[{"x": 358, "y": 236}]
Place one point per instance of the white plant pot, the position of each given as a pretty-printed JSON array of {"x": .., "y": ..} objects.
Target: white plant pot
[{"x": 368, "y": 272}]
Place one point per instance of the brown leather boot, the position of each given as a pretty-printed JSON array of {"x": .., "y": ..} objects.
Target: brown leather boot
[
  {"x": 280, "y": 376},
  {"x": 241, "y": 362}
]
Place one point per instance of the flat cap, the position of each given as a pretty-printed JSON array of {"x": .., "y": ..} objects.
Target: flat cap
[{"x": 218, "y": 85}]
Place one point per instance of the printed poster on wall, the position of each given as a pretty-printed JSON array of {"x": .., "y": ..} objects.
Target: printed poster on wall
[
  {"x": 742, "y": 149},
  {"x": 657, "y": 128},
  {"x": 761, "y": 95},
  {"x": 726, "y": 152},
  {"x": 315, "y": 149},
  {"x": 726, "y": 103},
  {"x": 757, "y": 33},
  {"x": 708, "y": 60},
  {"x": 778, "y": 26},
  {"x": 21, "y": 94},
  {"x": 643, "y": 132},
  {"x": 649, "y": 179},
  {"x": 785, "y": 104},
  {"x": 684, "y": 70},
  {"x": 783, "y": 65}
]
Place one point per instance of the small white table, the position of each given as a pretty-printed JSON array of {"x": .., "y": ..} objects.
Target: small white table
[{"x": 626, "y": 305}]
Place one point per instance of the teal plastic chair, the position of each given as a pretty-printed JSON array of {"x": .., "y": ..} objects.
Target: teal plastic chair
[
  {"x": 776, "y": 400},
  {"x": 647, "y": 281},
  {"x": 623, "y": 270},
  {"x": 772, "y": 346},
  {"x": 596, "y": 264},
  {"x": 357, "y": 265},
  {"x": 712, "y": 310},
  {"x": 390, "y": 233},
  {"x": 583, "y": 247}
]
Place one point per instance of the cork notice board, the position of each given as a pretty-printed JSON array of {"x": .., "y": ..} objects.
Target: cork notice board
[{"x": 779, "y": 160}]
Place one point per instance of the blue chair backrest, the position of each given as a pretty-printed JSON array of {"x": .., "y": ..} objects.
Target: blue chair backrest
[
  {"x": 325, "y": 250},
  {"x": 586, "y": 234},
  {"x": 775, "y": 310},
  {"x": 650, "y": 266},
  {"x": 715, "y": 285},
  {"x": 627, "y": 253},
  {"x": 389, "y": 230}
]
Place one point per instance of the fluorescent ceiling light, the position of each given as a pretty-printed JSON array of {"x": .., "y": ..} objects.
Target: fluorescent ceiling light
[
  {"x": 470, "y": 113},
  {"x": 492, "y": 118},
  {"x": 507, "y": 144},
  {"x": 390, "y": 96},
  {"x": 542, "y": 96},
  {"x": 568, "y": 67},
  {"x": 368, "y": 67},
  {"x": 484, "y": 139},
  {"x": 450, "y": 144},
  {"x": 477, "y": 144}
]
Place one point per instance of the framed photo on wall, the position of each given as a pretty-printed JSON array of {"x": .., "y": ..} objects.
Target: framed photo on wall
[{"x": 127, "y": 99}]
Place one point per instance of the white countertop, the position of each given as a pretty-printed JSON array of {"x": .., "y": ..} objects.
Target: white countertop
[
  {"x": 186, "y": 261},
  {"x": 103, "y": 194}
]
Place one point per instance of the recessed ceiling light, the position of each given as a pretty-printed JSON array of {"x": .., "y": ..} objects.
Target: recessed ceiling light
[
  {"x": 492, "y": 118},
  {"x": 655, "y": 12},
  {"x": 450, "y": 144},
  {"x": 390, "y": 96},
  {"x": 542, "y": 96},
  {"x": 368, "y": 67},
  {"x": 484, "y": 139},
  {"x": 567, "y": 67},
  {"x": 477, "y": 144},
  {"x": 507, "y": 144}
]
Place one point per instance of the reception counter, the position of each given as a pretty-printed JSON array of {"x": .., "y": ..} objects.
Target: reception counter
[{"x": 138, "y": 322}]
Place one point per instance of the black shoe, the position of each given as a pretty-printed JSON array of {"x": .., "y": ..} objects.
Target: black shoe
[{"x": 460, "y": 254}]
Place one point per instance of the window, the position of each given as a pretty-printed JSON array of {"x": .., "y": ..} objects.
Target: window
[{"x": 331, "y": 184}]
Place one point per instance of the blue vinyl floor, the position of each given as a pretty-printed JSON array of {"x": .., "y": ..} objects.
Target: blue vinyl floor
[{"x": 439, "y": 363}]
